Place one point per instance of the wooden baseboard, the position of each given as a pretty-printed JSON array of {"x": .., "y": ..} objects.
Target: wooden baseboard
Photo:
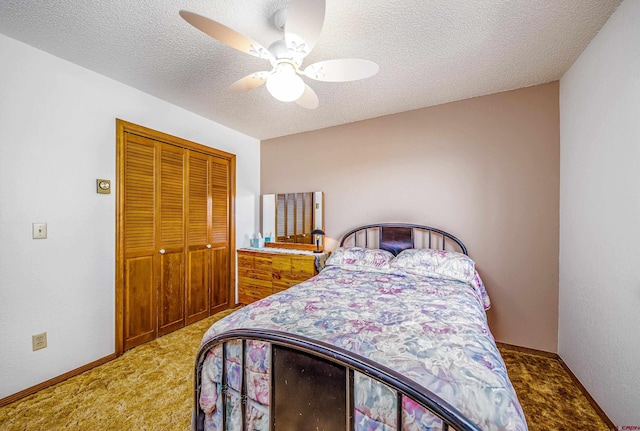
[
  {"x": 33, "y": 389},
  {"x": 573, "y": 377}
]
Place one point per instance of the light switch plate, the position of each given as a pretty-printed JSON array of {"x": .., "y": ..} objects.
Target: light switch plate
[{"x": 39, "y": 231}]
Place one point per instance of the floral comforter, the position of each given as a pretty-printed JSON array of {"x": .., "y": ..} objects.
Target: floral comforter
[{"x": 430, "y": 329}]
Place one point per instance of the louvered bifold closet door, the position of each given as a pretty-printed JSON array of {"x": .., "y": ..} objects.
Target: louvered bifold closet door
[
  {"x": 220, "y": 190},
  {"x": 170, "y": 237},
  {"x": 198, "y": 245},
  {"x": 174, "y": 233},
  {"x": 170, "y": 233},
  {"x": 139, "y": 256}
]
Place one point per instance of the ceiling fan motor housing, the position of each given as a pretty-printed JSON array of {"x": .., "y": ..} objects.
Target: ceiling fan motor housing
[
  {"x": 281, "y": 51},
  {"x": 280, "y": 18}
]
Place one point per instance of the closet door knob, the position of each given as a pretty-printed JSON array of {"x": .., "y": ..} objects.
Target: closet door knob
[
  {"x": 208, "y": 245},
  {"x": 162, "y": 251}
]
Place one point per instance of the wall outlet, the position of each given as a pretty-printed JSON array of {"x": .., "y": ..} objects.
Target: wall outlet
[{"x": 39, "y": 341}]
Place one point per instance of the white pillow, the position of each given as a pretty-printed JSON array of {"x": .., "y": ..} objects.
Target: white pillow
[{"x": 435, "y": 263}]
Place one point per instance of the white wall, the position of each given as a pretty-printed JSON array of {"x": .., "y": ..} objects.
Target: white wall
[
  {"x": 57, "y": 135},
  {"x": 599, "y": 319}
]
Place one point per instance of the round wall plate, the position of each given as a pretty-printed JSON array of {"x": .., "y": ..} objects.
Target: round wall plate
[{"x": 103, "y": 186}]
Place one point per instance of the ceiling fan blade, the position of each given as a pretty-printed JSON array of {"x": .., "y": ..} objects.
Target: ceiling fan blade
[
  {"x": 225, "y": 35},
  {"x": 341, "y": 70},
  {"x": 304, "y": 24},
  {"x": 309, "y": 98},
  {"x": 249, "y": 82}
]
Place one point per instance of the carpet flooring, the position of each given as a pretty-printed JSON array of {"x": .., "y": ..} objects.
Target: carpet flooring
[
  {"x": 151, "y": 388},
  {"x": 548, "y": 395}
]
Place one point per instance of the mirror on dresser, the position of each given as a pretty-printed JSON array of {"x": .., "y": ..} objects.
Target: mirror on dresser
[{"x": 290, "y": 217}]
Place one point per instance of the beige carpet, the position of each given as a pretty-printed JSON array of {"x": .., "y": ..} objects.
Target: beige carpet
[
  {"x": 151, "y": 388},
  {"x": 549, "y": 397}
]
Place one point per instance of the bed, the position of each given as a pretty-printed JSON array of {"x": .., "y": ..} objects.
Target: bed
[{"x": 390, "y": 335}]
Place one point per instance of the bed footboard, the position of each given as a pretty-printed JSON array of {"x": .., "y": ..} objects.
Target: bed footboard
[{"x": 269, "y": 380}]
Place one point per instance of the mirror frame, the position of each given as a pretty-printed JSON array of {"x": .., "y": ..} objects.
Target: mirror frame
[{"x": 269, "y": 209}]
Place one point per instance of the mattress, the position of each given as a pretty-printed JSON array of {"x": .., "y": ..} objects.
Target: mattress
[{"x": 430, "y": 328}]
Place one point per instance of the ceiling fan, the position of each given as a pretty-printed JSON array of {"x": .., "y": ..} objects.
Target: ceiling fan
[{"x": 302, "y": 22}]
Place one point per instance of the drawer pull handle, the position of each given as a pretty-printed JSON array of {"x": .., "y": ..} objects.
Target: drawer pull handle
[
  {"x": 208, "y": 245},
  {"x": 162, "y": 251}
]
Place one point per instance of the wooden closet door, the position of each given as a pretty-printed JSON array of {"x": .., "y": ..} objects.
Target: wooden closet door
[
  {"x": 174, "y": 233},
  {"x": 220, "y": 192},
  {"x": 170, "y": 234},
  {"x": 198, "y": 246},
  {"x": 140, "y": 252}
]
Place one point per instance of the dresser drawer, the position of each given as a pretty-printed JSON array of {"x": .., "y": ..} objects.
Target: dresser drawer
[
  {"x": 280, "y": 285},
  {"x": 300, "y": 265},
  {"x": 262, "y": 263},
  {"x": 245, "y": 261},
  {"x": 253, "y": 276},
  {"x": 248, "y": 293},
  {"x": 283, "y": 280},
  {"x": 281, "y": 263},
  {"x": 277, "y": 288},
  {"x": 254, "y": 261},
  {"x": 305, "y": 267}
]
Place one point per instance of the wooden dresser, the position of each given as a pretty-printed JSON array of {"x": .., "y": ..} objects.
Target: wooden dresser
[{"x": 264, "y": 271}]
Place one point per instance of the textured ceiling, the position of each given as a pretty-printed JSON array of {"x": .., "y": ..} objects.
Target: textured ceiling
[{"x": 429, "y": 51}]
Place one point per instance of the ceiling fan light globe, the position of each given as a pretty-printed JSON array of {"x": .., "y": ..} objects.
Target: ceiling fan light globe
[{"x": 285, "y": 85}]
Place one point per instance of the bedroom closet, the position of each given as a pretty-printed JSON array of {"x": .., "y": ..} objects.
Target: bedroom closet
[{"x": 175, "y": 234}]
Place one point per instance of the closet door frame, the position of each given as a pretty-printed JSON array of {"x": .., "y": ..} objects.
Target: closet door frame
[{"x": 122, "y": 128}]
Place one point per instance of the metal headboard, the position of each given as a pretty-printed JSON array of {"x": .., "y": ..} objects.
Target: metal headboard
[{"x": 395, "y": 237}]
